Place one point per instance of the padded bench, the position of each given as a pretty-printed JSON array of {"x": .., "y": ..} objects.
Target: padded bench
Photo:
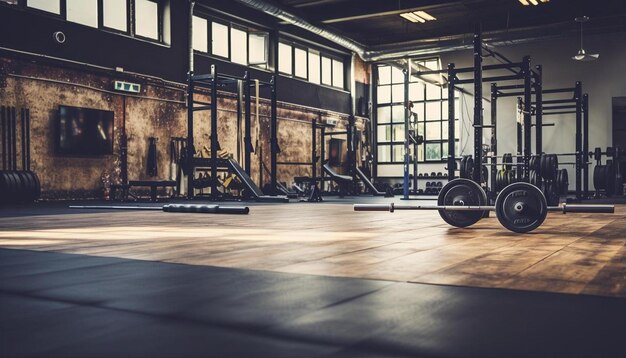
[{"x": 153, "y": 184}]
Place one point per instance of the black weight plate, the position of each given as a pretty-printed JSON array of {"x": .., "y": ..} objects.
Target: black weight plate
[
  {"x": 507, "y": 160},
  {"x": 4, "y": 187},
  {"x": 551, "y": 193},
  {"x": 15, "y": 187},
  {"x": 462, "y": 170},
  {"x": 469, "y": 167},
  {"x": 597, "y": 176},
  {"x": 609, "y": 180},
  {"x": 37, "y": 185},
  {"x": 29, "y": 187},
  {"x": 521, "y": 207},
  {"x": 462, "y": 192},
  {"x": 22, "y": 187},
  {"x": 564, "y": 182}
]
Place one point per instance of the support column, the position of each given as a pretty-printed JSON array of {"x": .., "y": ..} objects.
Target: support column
[
  {"x": 275, "y": 149},
  {"x": 478, "y": 106},
  {"x": 578, "y": 96},
  {"x": 248, "y": 147},
  {"x": 214, "y": 140},
  {"x": 494, "y": 136},
  {"x": 527, "y": 126},
  {"x": 190, "y": 148},
  {"x": 451, "y": 122},
  {"x": 585, "y": 146},
  {"x": 539, "y": 110},
  {"x": 407, "y": 115}
]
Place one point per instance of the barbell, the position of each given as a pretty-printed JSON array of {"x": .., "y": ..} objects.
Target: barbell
[
  {"x": 172, "y": 208},
  {"x": 520, "y": 207}
]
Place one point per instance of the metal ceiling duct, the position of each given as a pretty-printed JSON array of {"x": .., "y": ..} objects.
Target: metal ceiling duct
[{"x": 413, "y": 48}]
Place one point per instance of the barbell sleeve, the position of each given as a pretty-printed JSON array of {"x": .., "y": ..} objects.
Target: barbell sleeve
[{"x": 591, "y": 209}]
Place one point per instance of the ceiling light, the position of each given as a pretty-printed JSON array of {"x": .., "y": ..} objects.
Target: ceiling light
[
  {"x": 582, "y": 55},
  {"x": 418, "y": 16},
  {"x": 533, "y": 2}
]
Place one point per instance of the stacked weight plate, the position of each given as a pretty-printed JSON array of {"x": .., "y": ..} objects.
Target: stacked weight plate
[{"x": 19, "y": 187}]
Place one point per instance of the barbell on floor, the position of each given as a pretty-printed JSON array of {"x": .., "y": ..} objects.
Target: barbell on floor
[
  {"x": 174, "y": 208},
  {"x": 520, "y": 207}
]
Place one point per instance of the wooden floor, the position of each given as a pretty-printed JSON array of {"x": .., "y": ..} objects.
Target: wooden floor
[{"x": 574, "y": 253}]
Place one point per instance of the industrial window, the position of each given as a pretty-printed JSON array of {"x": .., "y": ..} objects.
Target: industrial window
[
  {"x": 430, "y": 104},
  {"x": 300, "y": 60},
  {"x": 239, "y": 46},
  {"x": 327, "y": 71},
  {"x": 150, "y": 20},
  {"x": 219, "y": 39},
  {"x": 257, "y": 48},
  {"x": 83, "y": 12},
  {"x": 52, "y": 6},
  {"x": 285, "y": 58},
  {"x": 200, "y": 34},
  {"x": 147, "y": 19},
  {"x": 337, "y": 73},
  {"x": 314, "y": 67},
  {"x": 115, "y": 14},
  {"x": 232, "y": 42}
]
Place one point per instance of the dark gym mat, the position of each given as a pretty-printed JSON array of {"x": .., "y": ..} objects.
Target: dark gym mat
[{"x": 55, "y": 304}]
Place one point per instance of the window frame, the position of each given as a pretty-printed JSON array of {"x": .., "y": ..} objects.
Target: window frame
[
  {"x": 293, "y": 61},
  {"x": 322, "y": 55},
  {"x": 130, "y": 19}
]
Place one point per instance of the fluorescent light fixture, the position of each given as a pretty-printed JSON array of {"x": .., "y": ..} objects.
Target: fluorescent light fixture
[
  {"x": 418, "y": 16},
  {"x": 533, "y": 2}
]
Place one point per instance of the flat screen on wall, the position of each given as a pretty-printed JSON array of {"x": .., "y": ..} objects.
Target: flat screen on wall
[{"x": 84, "y": 131}]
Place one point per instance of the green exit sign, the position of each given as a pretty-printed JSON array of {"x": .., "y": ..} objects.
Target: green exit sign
[{"x": 127, "y": 87}]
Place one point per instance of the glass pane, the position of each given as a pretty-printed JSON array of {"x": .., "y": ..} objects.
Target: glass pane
[
  {"x": 433, "y": 92},
  {"x": 433, "y": 111},
  {"x": 301, "y": 63},
  {"x": 418, "y": 108},
  {"x": 53, "y": 6},
  {"x": 239, "y": 46},
  {"x": 444, "y": 150},
  {"x": 398, "y": 114},
  {"x": 398, "y": 132},
  {"x": 384, "y": 114},
  {"x": 398, "y": 93},
  {"x": 444, "y": 110},
  {"x": 219, "y": 39},
  {"x": 384, "y": 134},
  {"x": 398, "y": 153},
  {"x": 384, "y": 75},
  {"x": 433, "y": 130},
  {"x": 416, "y": 92},
  {"x": 147, "y": 19},
  {"x": 338, "y": 73},
  {"x": 444, "y": 130},
  {"x": 83, "y": 12},
  {"x": 314, "y": 67},
  {"x": 396, "y": 75},
  {"x": 384, "y": 94},
  {"x": 200, "y": 34},
  {"x": 420, "y": 129},
  {"x": 433, "y": 151},
  {"x": 384, "y": 153},
  {"x": 432, "y": 65},
  {"x": 114, "y": 14},
  {"x": 257, "y": 43},
  {"x": 420, "y": 153},
  {"x": 457, "y": 129},
  {"x": 327, "y": 71},
  {"x": 284, "y": 58}
]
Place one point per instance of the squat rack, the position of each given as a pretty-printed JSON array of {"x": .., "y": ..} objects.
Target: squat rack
[
  {"x": 520, "y": 71},
  {"x": 213, "y": 81}
]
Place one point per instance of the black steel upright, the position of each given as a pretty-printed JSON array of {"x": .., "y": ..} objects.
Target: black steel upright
[
  {"x": 275, "y": 149},
  {"x": 451, "y": 122},
  {"x": 247, "y": 137},
  {"x": 214, "y": 141},
  {"x": 478, "y": 106},
  {"x": 578, "y": 96},
  {"x": 4, "y": 139},
  {"x": 494, "y": 136},
  {"x": 585, "y": 156},
  {"x": 14, "y": 139},
  {"x": 527, "y": 124},
  {"x": 190, "y": 145},
  {"x": 539, "y": 110},
  {"x": 314, "y": 150},
  {"x": 407, "y": 115}
]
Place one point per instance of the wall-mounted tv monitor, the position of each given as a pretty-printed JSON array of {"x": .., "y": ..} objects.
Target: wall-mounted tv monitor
[{"x": 84, "y": 131}]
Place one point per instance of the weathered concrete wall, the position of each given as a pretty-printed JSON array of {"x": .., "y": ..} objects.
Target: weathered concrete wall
[{"x": 158, "y": 111}]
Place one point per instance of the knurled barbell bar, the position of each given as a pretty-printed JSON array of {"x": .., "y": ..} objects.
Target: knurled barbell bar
[{"x": 520, "y": 207}]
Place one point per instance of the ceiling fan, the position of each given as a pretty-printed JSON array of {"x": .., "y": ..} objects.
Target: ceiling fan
[{"x": 582, "y": 55}]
